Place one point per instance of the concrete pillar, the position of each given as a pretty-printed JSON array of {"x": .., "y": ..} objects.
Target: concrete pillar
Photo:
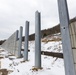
[
  {"x": 66, "y": 43},
  {"x": 26, "y": 41},
  {"x": 37, "y": 40},
  {"x": 17, "y": 34},
  {"x": 16, "y": 39},
  {"x": 20, "y": 42}
]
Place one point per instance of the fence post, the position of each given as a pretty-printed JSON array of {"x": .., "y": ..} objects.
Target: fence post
[
  {"x": 16, "y": 39},
  {"x": 26, "y": 41},
  {"x": 37, "y": 40},
  {"x": 66, "y": 43},
  {"x": 17, "y": 34},
  {"x": 20, "y": 42}
]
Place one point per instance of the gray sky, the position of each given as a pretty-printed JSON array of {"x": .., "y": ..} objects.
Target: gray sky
[{"x": 14, "y": 13}]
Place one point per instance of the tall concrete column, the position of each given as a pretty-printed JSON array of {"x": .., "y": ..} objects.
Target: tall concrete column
[
  {"x": 20, "y": 41},
  {"x": 37, "y": 40},
  {"x": 66, "y": 43},
  {"x": 17, "y": 34},
  {"x": 16, "y": 39},
  {"x": 26, "y": 41}
]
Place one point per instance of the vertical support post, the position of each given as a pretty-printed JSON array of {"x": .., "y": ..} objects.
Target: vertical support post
[
  {"x": 17, "y": 35},
  {"x": 16, "y": 39},
  {"x": 26, "y": 41},
  {"x": 67, "y": 49},
  {"x": 20, "y": 42},
  {"x": 37, "y": 40}
]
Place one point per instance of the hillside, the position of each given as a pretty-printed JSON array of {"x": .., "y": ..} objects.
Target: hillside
[
  {"x": 2, "y": 41},
  {"x": 50, "y": 31}
]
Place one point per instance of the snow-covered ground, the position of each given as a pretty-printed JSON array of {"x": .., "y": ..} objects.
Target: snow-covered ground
[{"x": 50, "y": 65}]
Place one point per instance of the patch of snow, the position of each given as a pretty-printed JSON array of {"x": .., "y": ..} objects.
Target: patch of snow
[{"x": 50, "y": 65}]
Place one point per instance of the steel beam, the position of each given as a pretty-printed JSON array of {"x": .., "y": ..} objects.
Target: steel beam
[
  {"x": 37, "y": 40},
  {"x": 20, "y": 42},
  {"x": 66, "y": 43},
  {"x": 26, "y": 41},
  {"x": 17, "y": 34}
]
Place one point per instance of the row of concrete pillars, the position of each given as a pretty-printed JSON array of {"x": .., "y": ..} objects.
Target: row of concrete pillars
[
  {"x": 37, "y": 40},
  {"x": 64, "y": 25}
]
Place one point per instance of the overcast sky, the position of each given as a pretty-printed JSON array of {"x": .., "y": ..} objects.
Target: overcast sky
[{"x": 14, "y": 13}]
